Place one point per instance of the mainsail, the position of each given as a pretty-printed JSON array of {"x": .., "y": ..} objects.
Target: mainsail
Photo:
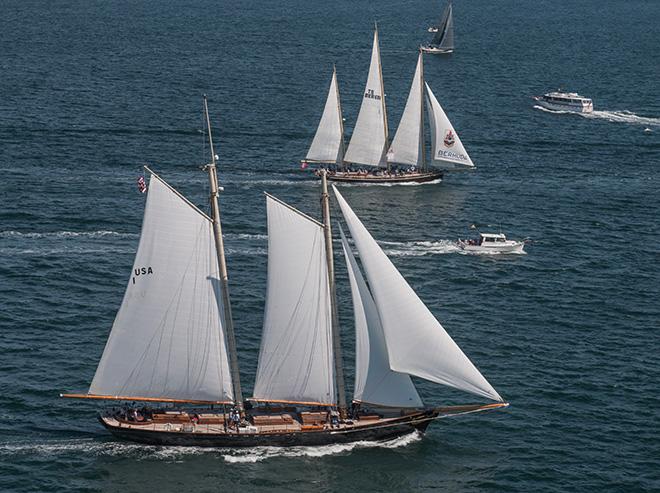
[
  {"x": 408, "y": 144},
  {"x": 167, "y": 340},
  {"x": 368, "y": 143},
  {"x": 416, "y": 342},
  {"x": 375, "y": 382},
  {"x": 328, "y": 143},
  {"x": 296, "y": 360},
  {"x": 444, "y": 37},
  {"x": 447, "y": 146}
]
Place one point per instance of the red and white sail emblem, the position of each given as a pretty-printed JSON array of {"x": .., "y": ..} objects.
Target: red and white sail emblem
[{"x": 449, "y": 138}]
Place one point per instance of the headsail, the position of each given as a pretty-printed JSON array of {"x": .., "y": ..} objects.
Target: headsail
[
  {"x": 368, "y": 143},
  {"x": 296, "y": 360},
  {"x": 416, "y": 342},
  {"x": 444, "y": 37},
  {"x": 167, "y": 340},
  {"x": 375, "y": 382},
  {"x": 447, "y": 146},
  {"x": 408, "y": 144},
  {"x": 328, "y": 143}
]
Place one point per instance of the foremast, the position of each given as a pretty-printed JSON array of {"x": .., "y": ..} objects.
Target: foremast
[
  {"x": 228, "y": 321},
  {"x": 336, "y": 343}
]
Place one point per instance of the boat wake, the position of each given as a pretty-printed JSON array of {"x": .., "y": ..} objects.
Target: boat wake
[
  {"x": 418, "y": 248},
  {"x": 94, "y": 447},
  {"x": 259, "y": 454},
  {"x": 611, "y": 116},
  {"x": 66, "y": 234}
]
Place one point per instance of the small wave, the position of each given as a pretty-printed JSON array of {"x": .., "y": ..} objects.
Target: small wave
[
  {"x": 418, "y": 248},
  {"x": 95, "y": 447},
  {"x": 245, "y": 236},
  {"x": 611, "y": 116},
  {"x": 66, "y": 234}
]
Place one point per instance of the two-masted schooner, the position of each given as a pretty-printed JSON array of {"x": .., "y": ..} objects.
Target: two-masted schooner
[
  {"x": 370, "y": 156},
  {"x": 173, "y": 343},
  {"x": 443, "y": 39}
]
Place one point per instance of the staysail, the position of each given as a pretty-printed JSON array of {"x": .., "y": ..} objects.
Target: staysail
[
  {"x": 448, "y": 150},
  {"x": 167, "y": 340},
  {"x": 328, "y": 143},
  {"x": 296, "y": 359},
  {"x": 408, "y": 144},
  {"x": 444, "y": 37},
  {"x": 416, "y": 342},
  {"x": 375, "y": 382},
  {"x": 368, "y": 143}
]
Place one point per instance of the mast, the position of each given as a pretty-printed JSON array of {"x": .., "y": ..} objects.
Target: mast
[
  {"x": 382, "y": 91},
  {"x": 336, "y": 343},
  {"x": 421, "y": 102},
  {"x": 220, "y": 249},
  {"x": 341, "y": 119}
]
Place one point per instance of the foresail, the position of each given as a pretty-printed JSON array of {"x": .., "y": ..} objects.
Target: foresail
[
  {"x": 167, "y": 340},
  {"x": 407, "y": 145},
  {"x": 296, "y": 360},
  {"x": 328, "y": 143},
  {"x": 369, "y": 139},
  {"x": 448, "y": 150},
  {"x": 416, "y": 342},
  {"x": 375, "y": 382}
]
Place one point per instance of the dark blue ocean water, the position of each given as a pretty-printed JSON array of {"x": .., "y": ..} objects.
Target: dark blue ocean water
[{"x": 90, "y": 91}]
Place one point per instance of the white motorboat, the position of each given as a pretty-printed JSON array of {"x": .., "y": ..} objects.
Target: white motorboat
[
  {"x": 432, "y": 29},
  {"x": 491, "y": 243},
  {"x": 565, "y": 101}
]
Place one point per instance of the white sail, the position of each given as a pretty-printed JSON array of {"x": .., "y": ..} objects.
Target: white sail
[
  {"x": 296, "y": 359},
  {"x": 328, "y": 143},
  {"x": 369, "y": 140},
  {"x": 407, "y": 146},
  {"x": 167, "y": 340},
  {"x": 416, "y": 342},
  {"x": 375, "y": 382},
  {"x": 448, "y": 150}
]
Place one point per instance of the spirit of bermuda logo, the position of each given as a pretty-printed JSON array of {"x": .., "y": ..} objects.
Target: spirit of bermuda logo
[
  {"x": 449, "y": 138},
  {"x": 371, "y": 95}
]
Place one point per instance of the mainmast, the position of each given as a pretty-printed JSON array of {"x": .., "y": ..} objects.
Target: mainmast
[
  {"x": 220, "y": 249},
  {"x": 342, "y": 148},
  {"x": 336, "y": 344},
  {"x": 382, "y": 91},
  {"x": 421, "y": 102}
]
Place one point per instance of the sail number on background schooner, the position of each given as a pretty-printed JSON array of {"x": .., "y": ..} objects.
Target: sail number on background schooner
[
  {"x": 370, "y": 157},
  {"x": 172, "y": 340}
]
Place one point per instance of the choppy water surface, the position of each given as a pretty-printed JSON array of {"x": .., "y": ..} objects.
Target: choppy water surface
[{"x": 568, "y": 333}]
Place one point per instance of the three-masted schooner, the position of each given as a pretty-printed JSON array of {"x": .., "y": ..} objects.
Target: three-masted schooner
[
  {"x": 370, "y": 156},
  {"x": 172, "y": 341},
  {"x": 443, "y": 39}
]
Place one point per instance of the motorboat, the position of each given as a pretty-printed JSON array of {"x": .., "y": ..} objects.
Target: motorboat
[
  {"x": 491, "y": 243},
  {"x": 565, "y": 101}
]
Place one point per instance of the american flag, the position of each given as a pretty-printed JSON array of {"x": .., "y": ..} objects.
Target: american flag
[{"x": 142, "y": 186}]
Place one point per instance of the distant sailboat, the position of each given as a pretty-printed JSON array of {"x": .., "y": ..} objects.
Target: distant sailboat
[
  {"x": 443, "y": 39},
  {"x": 173, "y": 341},
  {"x": 369, "y": 146}
]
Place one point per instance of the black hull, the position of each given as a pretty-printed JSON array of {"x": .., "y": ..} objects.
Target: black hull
[
  {"x": 420, "y": 178},
  {"x": 375, "y": 432}
]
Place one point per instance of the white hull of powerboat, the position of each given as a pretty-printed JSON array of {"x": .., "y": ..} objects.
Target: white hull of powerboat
[
  {"x": 509, "y": 246},
  {"x": 565, "y": 107}
]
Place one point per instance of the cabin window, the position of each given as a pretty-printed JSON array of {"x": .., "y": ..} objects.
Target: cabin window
[{"x": 490, "y": 239}]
